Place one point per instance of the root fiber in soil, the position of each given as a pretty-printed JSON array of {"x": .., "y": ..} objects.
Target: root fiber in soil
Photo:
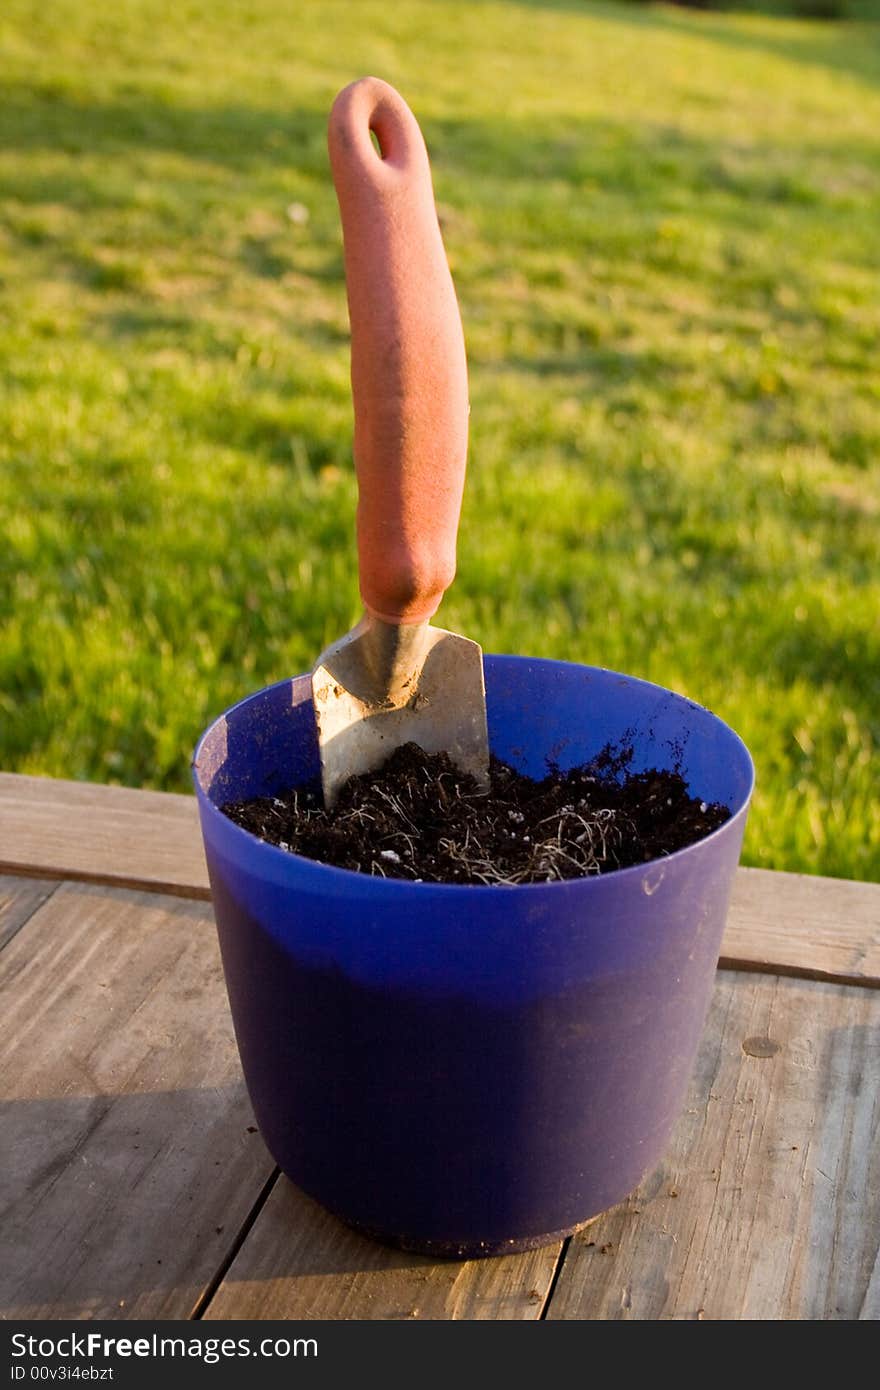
[{"x": 419, "y": 818}]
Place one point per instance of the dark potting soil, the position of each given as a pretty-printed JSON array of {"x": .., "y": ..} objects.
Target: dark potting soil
[{"x": 419, "y": 818}]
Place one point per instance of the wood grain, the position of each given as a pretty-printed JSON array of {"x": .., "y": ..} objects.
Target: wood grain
[
  {"x": 823, "y": 928},
  {"x": 82, "y": 830},
  {"x": 870, "y": 1309},
  {"x": 131, "y": 1161},
  {"x": 298, "y": 1261},
  {"x": 784, "y": 923},
  {"x": 19, "y": 900},
  {"x": 768, "y": 1203}
]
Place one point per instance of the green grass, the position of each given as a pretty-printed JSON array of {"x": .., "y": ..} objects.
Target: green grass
[{"x": 663, "y": 228}]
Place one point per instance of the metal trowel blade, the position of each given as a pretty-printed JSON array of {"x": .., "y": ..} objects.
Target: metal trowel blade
[{"x": 436, "y": 699}]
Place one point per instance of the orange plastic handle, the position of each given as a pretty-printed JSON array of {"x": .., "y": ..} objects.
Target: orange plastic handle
[{"x": 408, "y": 367}]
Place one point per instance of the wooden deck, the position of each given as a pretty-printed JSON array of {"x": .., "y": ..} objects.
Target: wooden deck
[{"x": 135, "y": 1184}]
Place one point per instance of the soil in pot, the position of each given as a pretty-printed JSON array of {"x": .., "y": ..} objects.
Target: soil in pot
[{"x": 419, "y": 818}]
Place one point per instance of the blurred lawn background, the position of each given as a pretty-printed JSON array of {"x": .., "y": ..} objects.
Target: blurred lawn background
[{"x": 663, "y": 227}]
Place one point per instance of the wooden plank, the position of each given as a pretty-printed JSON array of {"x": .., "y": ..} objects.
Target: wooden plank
[
  {"x": 81, "y": 830},
  {"x": 784, "y": 923},
  {"x": 298, "y": 1261},
  {"x": 19, "y": 900},
  {"x": 130, "y": 1157},
  {"x": 767, "y": 1205},
  {"x": 870, "y": 1309},
  {"x": 800, "y": 924}
]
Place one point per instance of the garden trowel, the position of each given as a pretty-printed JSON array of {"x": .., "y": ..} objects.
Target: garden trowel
[{"x": 395, "y": 678}]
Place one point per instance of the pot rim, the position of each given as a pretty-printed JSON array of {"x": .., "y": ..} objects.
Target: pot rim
[{"x": 371, "y": 883}]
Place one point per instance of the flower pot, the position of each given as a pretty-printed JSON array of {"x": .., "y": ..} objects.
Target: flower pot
[{"x": 472, "y": 1070}]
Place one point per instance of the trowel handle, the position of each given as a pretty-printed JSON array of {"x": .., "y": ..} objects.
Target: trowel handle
[{"x": 408, "y": 368}]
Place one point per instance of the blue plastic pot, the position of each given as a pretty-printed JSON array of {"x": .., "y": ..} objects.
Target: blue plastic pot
[{"x": 471, "y": 1070}]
